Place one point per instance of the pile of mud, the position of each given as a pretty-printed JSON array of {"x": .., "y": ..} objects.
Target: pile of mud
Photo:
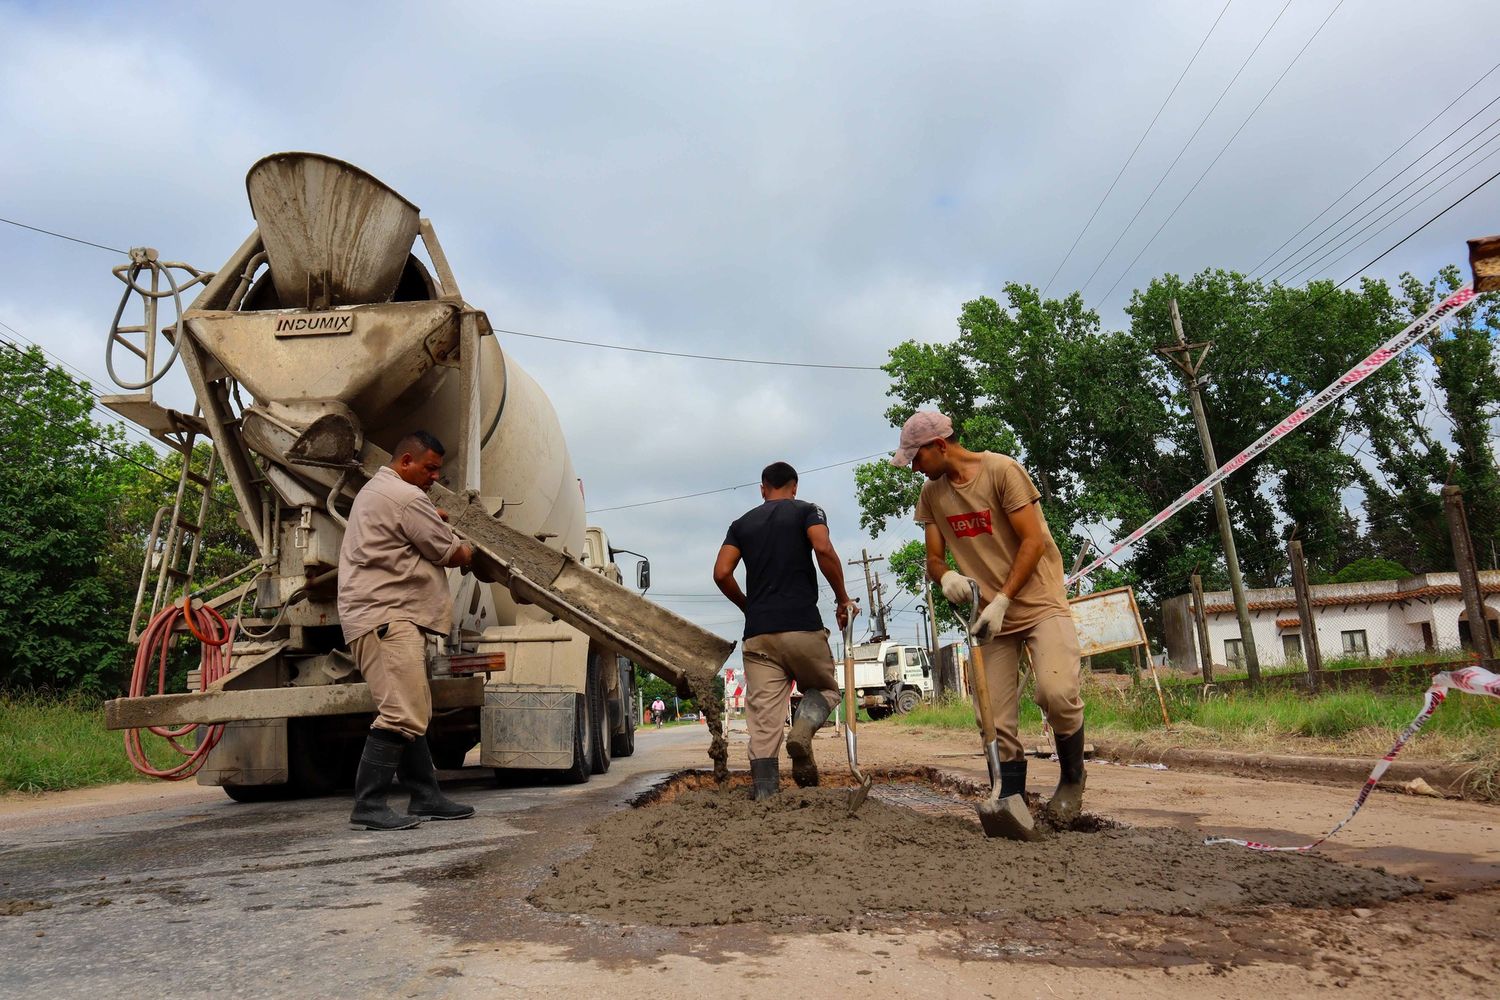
[{"x": 711, "y": 856}]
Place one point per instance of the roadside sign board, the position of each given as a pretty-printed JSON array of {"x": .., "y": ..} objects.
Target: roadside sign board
[{"x": 1107, "y": 620}]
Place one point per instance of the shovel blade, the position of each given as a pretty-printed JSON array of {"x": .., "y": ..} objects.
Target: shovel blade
[
  {"x": 859, "y": 793},
  {"x": 1007, "y": 818}
]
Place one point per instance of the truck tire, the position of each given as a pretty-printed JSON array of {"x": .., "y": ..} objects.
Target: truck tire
[
  {"x": 908, "y": 699},
  {"x": 622, "y": 743},
  {"x": 597, "y": 689},
  {"x": 878, "y": 712},
  {"x": 312, "y": 755},
  {"x": 583, "y": 750}
]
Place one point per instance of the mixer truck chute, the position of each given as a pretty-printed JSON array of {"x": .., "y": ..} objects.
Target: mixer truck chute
[{"x": 343, "y": 339}]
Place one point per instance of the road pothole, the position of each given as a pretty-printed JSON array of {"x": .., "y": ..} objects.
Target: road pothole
[{"x": 696, "y": 853}]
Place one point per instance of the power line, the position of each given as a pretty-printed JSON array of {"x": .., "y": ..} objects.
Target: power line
[
  {"x": 1212, "y": 163},
  {"x": 114, "y": 451},
  {"x": 1389, "y": 156},
  {"x": 1451, "y": 165},
  {"x": 1281, "y": 264},
  {"x": 1473, "y": 191},
  {"x": 104, "y": 444},
  {"x": 1184, "y": 149},
  {"x": 726, "y": 489},
  {"x": 86, "y": 385},
  {"x": 697, "y": 357},
  {"x": 65, "y": 236},
  {"x": 1131, "y": 158},
  {"x": 557, "y": 340}
]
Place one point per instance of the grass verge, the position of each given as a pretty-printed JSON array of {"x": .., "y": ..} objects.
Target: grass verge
[{"x": 49, "y": 744}]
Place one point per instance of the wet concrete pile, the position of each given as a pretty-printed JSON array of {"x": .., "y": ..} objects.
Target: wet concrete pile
[{"x": 711, "y": 856}]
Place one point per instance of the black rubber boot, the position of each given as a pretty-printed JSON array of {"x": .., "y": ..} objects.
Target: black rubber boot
[
  {"x": 377, "y": 765},
  {"x": 1012, "y": 777},
  {"x": 811, "y": 714},
  {"x": 1067, "y": 801},
  {"x": 766, "y": 775},
  {"x": 419, "y": 775}
]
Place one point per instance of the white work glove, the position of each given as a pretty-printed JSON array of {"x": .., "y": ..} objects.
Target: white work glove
[
  {"x": 955, "y": 587},
  {"x": 991, "y": 618}
]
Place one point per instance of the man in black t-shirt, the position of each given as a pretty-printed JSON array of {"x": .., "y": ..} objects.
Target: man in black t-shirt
[{"x": 785, "y": 640}]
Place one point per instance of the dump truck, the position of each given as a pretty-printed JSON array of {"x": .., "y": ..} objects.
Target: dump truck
[
  {"x": 336, "y": 327},
  {"x": 890, "y": 677}
]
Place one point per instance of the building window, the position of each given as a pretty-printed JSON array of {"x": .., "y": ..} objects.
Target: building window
[
  {"x": 1355, "y": 643},
  {"x": 1234, "y": 652}
]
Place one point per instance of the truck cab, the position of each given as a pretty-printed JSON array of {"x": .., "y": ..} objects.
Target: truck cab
[{"x": 890, "y": 676}]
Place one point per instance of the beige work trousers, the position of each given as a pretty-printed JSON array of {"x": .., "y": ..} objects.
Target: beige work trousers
[
  {"x": 1052, "y": 645},
  {"x": 772, "y": 661},
  {"x": 395, "y": 667}
]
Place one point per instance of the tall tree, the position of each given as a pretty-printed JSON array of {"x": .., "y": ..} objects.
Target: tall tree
[{"x": 59, "y": 624}]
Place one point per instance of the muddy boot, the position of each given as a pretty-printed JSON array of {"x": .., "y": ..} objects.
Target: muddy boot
[
  {"x": 377, "y": 765},
  {"x": 1067, "y": 800},
  {"x": 1011, "y": 817},
  {"x": 766, "y": 774},
  {"x": 419, "y": 775},
  {"x": 811, "y": 714}
]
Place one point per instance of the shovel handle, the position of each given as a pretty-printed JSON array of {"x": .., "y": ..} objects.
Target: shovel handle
[
  {"x": 981, "y": 681},
  {"x": 849, "y": 709}
]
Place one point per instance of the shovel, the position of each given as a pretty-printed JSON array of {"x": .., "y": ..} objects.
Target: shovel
[
  {"x": 860, "y": 792},
  {"x": 1001, "y": 817}
]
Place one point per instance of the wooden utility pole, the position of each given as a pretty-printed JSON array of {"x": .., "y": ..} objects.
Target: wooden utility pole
[
  {"x": 1311, "y": 654},
  {"x": 869, "y": 584},
  {"x": 1182, "y": 356},
  {"x": 938, "y": 688},
  {"x": 1200, "y": 616},
  {"x": 881, "y": 631},
  {"x": 1468, "y": 571}
]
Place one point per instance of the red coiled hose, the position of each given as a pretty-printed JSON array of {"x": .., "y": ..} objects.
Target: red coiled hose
[{"x": 216, "y": 637}]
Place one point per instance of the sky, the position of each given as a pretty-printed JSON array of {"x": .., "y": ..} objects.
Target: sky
[{"x": 809, "y": 183}]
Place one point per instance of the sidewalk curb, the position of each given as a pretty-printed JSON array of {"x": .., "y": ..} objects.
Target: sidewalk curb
[{"x": 1449, "y": 779}]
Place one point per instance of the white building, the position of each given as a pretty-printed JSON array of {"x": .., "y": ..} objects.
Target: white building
[{"x": 1352, "y": 619}]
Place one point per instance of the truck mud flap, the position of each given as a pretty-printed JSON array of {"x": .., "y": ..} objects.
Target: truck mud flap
[{"x": 528, "y": 729}]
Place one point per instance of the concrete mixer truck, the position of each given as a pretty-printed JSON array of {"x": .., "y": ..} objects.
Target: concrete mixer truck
[{"x": 336, "y": 327}]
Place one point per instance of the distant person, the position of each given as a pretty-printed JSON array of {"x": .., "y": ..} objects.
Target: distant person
[
  {"x": 393, "y": 593},
  {"x": 983, "y": 508},
  {"x": 658, "y": 711},
  {"x": 785, "y": 640}
]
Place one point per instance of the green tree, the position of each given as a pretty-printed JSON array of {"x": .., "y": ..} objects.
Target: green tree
[
  {"x": 59, "y": 622},
  {"x": 1365, "y": 570}
]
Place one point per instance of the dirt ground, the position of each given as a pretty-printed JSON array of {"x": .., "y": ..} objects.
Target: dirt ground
[{"x": 450, "y": 911}]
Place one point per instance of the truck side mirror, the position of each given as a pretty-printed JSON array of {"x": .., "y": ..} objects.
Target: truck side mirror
[{"x": 643, "y": 575}]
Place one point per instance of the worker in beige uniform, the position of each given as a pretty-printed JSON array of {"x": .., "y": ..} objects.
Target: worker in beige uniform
[
  {"x": 983, "y": 508},
  {"x": 393, "y": 593}
]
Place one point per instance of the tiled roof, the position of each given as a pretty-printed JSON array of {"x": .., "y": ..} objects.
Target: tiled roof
[
  {"x": 1288, "y": 622},
  {"x": 1345, "y": 600}
]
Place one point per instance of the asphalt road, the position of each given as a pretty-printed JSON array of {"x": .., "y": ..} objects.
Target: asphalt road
[
  {"x": 175, "y": 891},
  {"x": 196, "y": 895}
]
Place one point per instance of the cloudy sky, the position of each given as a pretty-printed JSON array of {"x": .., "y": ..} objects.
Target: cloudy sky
[{"x": 809, "y": 183}]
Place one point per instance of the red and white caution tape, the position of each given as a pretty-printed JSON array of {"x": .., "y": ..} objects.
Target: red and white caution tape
[
  {"x": 1419, "y": 328},
  {"x": 1473, "y": 680}
]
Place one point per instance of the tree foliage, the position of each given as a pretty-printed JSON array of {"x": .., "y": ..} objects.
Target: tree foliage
[
  {"x": 1104, "y": 425},
  {"x": 59, "y": 621}
]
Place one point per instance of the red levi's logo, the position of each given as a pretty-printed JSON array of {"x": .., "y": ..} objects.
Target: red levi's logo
[{"x": 972, "y": 524}]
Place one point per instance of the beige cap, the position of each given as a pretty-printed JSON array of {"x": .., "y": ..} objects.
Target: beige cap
[{"x": 921, "y": 427}]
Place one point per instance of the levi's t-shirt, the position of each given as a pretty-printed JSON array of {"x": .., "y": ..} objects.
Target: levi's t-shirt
[{"x": 973, "y": 522}]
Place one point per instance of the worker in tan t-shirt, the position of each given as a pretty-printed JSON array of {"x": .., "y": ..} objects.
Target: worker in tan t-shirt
[
  {"x": 393, "y": 593},
  {"x": 982, "y": 507}
]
